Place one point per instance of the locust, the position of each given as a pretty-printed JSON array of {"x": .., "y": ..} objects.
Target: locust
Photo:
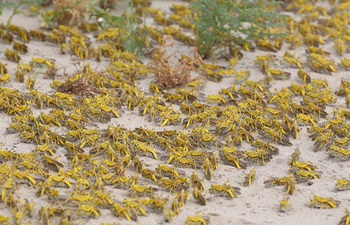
[
  {"x": 248, "y": 178},
  {"x": 196, "y": 182},
  {"x": 264, "y": 60},
  {"x": 285, "y": 204},
  {"x": 345, "y": 63},
  {"x": 5, "y": 78},
  {"x": 197, "y": 220},
  {"x": 136, "y": 190},
  {"x": 22, "y": 48},
  {"x": 149, "y": 174},
  {"x": 3, "y": 69},
  {"x": 345, "y": 220},
  {"x": 304, "y": 176},
  {"x": 87, "y": 210},
  {"x": 197, "y": 194},
  {"x": 175, "y": 184},
  {"x": 288, "y": 181},
  {"x": 38, "y": 35},
  {"x": 342, "y": 185},
  {"x": 167, "y": 171},
  {"x": 267, "y": 45},
  {"x": 323, "y": 203},
  {"x": 145, "y": 149},
  {"x": 258, "y": 156},
  {"x": 5, "y": 220},
  {"x": 289, "y": 59},
  {"x": 339, "y": 46},
  {"x": 308, "y": 166},
  {"x": 208, "y": 170},
  {"x": 294, "y": 157},
  {"x": 135, "y": 207},
  {"x": 182, "y": 197},
  {"x": 12, "y": 56},
  {"x": 233, "y": 161},
  {"x": 305, "y": 77},
  {"x": 224, "y": 190},
  {"x": 312, "y": 49},
  {"x": 122, "y": 211},
  {"x": 277, "y": 74},
  {"x": 6, "y": 36}
]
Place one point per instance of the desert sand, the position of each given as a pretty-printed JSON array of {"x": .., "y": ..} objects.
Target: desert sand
[{"x": 255, "y": 205}]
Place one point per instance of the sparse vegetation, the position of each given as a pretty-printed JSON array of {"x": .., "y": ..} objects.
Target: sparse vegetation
[
  {"x": 6, "y": 5},
  {"x": 132, "y": 37},
  {"x": 124, "y": 137},
  {"x": 70, "y": 12},
  {"x": 170, "y": 76},
  {"x": 108, "y": 4},
  {"x": 223, "y": 23},
  {"x": 15, "y": 7}
]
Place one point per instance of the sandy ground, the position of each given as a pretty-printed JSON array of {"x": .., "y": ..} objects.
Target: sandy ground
[{"x": 256, "y": 204}]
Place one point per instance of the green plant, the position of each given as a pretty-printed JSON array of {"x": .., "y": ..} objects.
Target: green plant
[
  {"x": 6, "y": 5},
  {"x": 50, "y": 19},
  {"x": 104, "y": 17},
  {"x": 15, "y": 6},
  {"x": 132, "y": 37},
  {"x": 223, "y": 23}
]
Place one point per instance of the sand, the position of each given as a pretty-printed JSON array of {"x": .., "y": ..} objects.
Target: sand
[{"x": 256, "y": 204}]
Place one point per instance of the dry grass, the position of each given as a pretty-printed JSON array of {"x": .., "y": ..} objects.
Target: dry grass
[
  {"x": 79, "y": 87},
  {"x": 177, "y": 75},
  {"x": 108, "y": 4},
  {"x": 71, "y": 12}
]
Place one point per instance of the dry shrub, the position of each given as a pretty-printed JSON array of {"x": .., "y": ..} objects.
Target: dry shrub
[
  {"x": 80, "y": 87},
  {"x": 108, "y": 4},
  {"x": 70, "y": 12},
  {"x": 168, "y": 76}
]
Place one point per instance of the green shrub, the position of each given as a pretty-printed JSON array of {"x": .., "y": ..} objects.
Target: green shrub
[
  {"x": 223, "y": 23},
  {"x": 132, "y": 37}
]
